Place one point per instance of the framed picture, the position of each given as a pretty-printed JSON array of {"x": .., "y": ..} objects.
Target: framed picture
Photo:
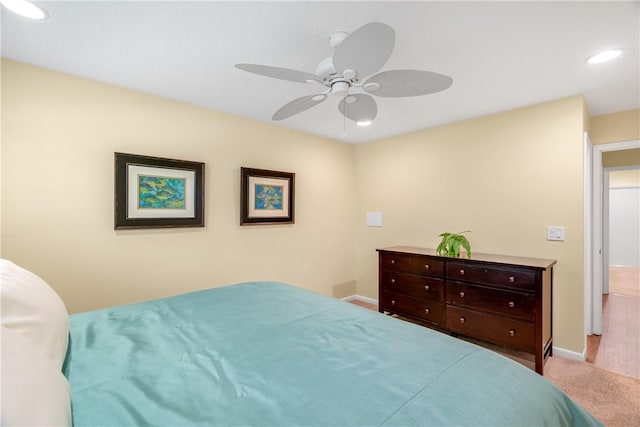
[
  {"x": 267, "y": 197},
  {"x": 153, "y": 192}
]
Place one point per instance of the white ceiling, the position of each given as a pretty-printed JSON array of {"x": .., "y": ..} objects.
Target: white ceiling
[{"x": 501, "y": 55}]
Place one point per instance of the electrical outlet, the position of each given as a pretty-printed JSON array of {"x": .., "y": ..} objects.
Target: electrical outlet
[{"x": 555, "y": 233}]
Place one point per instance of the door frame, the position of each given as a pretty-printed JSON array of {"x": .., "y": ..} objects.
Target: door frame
[{"x": 594, "y": 234}]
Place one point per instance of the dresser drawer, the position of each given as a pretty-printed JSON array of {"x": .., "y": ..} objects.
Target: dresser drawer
[
  {"x": 493, "y": 328},
  {"x": 515, "y": 304},
  {"x": 506, "y": 277},
  {"x": 413, "y": 264},
  {"x": 429, "y": 311},
  {"x": 416, "y": 286}
]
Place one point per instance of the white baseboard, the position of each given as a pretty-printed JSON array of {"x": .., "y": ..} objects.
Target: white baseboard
[
  {"x": 568, "y": 354},
  {"x": 360, "y": 298}
]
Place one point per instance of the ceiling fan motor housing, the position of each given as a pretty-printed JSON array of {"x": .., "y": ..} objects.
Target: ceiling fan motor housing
[
  {"x": 339, "y": 84},
  {"x": 340, "y": 88}
]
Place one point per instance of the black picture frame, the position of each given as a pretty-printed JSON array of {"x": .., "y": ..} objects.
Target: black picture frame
[
  {"x": 266, "y": 197},
  {"x": 155, "y": 192}
]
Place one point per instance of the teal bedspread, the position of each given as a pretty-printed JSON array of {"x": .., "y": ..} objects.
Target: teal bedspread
[{"x": 270, "y": 354}]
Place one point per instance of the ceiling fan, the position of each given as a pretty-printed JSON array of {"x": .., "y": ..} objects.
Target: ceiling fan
[{"x": 357, "y": 55}]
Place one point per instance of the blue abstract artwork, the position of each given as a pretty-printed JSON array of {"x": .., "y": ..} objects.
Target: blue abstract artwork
[
  {"x": 158, "y": 192},
  {"x": 268, "y": 197}
]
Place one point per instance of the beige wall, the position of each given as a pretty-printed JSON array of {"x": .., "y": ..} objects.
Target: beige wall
[
  {"x": 505, "y": 177},
  {"x": 615, "y": 127},
  {"x": 59, "y": 134},
  {"x": 621, "y": 158},
  {"x": 624, "y": 178}
]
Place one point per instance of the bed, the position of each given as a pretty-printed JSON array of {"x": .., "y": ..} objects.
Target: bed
[{"x": 272, "y": 354}]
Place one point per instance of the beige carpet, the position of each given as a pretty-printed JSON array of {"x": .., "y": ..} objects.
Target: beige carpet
[{"x": 611, "y": 397}]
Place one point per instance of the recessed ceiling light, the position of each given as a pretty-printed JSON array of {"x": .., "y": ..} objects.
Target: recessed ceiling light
[
  {"x": 25, "y": 8},
  {"x": 363, "y": 123},
  {"x": 604, "y": 56}
]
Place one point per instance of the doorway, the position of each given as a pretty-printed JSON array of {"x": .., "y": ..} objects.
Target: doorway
[
  {"x": 594, "y": 231},
  {"x": 612, "y": 316}
]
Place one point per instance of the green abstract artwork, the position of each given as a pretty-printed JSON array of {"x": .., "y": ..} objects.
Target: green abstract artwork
[
  {"x": 268, "y": 197},
  {"x": 158, "y": 192}
]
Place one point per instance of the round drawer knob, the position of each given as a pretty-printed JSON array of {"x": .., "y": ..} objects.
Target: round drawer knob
[
  {"x": 426, "y": 310},
  {"x": 512, "y": 332},
  {"x": 426, "y": 287},
  {"x": 462, "y": 320},
  {"x": 393, "y": 302},
  {"x": 462, "y": 272},
  {"x": 512, "y": 279},
  {"x": 511, "y": 304},
  {"x": 393, "y": 281},
  {"x": 427, "y": 267},
  {"x": 461, "y": 294},
  {"x": 393, "y": 261}
]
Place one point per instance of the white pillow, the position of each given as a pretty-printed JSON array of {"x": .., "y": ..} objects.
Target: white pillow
[
  {"x": 34, "y": 391},
  {"x": 31, "y": 308}
]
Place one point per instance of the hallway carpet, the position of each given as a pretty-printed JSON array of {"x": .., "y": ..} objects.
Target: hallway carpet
[{"x": 611, "y": 397}]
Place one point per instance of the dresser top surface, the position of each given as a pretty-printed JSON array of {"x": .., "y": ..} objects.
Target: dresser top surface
[{"x": 489, "y": 258}]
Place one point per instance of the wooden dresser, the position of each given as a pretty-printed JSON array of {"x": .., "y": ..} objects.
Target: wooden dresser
[{"x": 503, "y": 300}]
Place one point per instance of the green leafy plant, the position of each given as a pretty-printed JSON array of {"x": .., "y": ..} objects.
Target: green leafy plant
[{"x": 451, "y": 243}]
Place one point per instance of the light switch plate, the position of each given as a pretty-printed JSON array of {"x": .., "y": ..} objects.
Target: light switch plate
[
  {"x": 555, "y": 233},
  {"x": 374, "y": 219}
]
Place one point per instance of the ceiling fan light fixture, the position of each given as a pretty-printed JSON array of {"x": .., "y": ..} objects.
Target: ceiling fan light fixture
[
  {"x": 604, "y": 56},
  {"x": 363, "y": 123},
  {"x": 26, "y": 9},
  {"x": 340, "y": 88}
]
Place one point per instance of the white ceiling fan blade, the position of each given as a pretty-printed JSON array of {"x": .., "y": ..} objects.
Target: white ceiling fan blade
[
  {"x": 396, "y": 83},
  {"x": 298, "y": 106},
  {"x": 365, "y": 50},
  {"x": 359, "y": 108},
  {"x": 280, "y": 73}
]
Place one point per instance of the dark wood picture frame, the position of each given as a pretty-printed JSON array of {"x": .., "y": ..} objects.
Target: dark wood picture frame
[
  {"x": 154, "y": 192},
  {"x": 266, "y": 197}
]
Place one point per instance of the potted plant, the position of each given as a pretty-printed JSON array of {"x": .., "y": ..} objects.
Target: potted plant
[{"x": 451, "y": 243}]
